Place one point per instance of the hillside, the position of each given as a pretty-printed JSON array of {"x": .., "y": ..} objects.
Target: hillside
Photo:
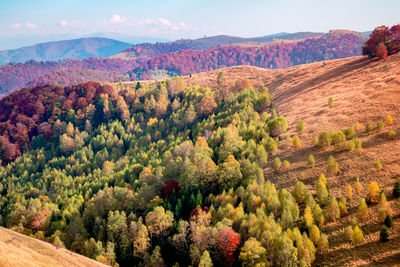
[
  {"x": 364, "y": 91},
  {"x": 335, "y": 44},
  {"x": 73, "y": 49},
  {"x": 20, "y": 250},
  {"x": 156, "y": 61},
  {"x": 153, "y": 50}
]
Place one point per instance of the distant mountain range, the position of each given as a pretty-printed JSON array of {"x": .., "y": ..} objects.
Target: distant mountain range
[{"x": 76, "y": 49}]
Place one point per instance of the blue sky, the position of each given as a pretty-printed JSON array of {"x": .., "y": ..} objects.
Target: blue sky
[{"x": 175, "y": 19}]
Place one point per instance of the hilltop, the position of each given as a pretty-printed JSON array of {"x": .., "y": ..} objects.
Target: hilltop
[
  {"x": 23, "y": 251},
  {"x": 74, "y": 49}
]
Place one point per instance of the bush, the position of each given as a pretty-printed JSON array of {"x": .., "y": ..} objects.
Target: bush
[
  {"x": 310, "y": 161},
  {"x": 349, "y": 192},
  {"x": 378, "y": 165},
  {"x": 348, "y": 232},
  {"x": 384, "y": 234},
  {"x": 351, "y": 145},
  {"x": 396, "y": 189},
  {"x": 339, "y": 140},
  {"x": 358, "y": 187},
  {"x": 349, "y": 132},
  {"x": 286, "y": 164},
  {"x": 332, "y": 166},
  {"x": 277, "y": 126},
  {"x": 380, "y": 125},
  {"x": 368, "y": 128},
  {"x": 277, "y": 163},
  {"x": 324, "y": 139},
  {"x": 358, "y": 236},
  {"x": 392, "y": 134},
  {"x": 389, "y": 120},
  {"x": 296, "y": 142},
  {"x": 373, "y": 193},
  {"x": 300, "y": 126},
  {"x": 331, "y": 102},
  {"x": 358, "y": 145},
  {"x": 388, "y": 221},
  {"x": 314, "y": 140},
  {"x": 362, "y": 210}
]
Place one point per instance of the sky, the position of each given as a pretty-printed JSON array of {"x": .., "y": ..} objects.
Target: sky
[{"x": 24, "y": 22}]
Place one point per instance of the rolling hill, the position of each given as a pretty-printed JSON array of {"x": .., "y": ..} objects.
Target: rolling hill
[
  {"x": 364, "y": 91},
  {"x": 157, "y": 49},
  {"x": 20, "y": 250},
  {"x": 146, "y": 60},
  {"x": 140, "y": 152},
  {"x": 335, "y": 44},
  {"x": 74, "y": 49}
]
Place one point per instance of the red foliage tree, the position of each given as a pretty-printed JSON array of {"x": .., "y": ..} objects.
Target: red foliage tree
[
  {"x": 228, "y": 241},
  {"x": 170, "y": 186},
  {"x": 381, "y": 51},
  {"x": 394, "y": 39}
]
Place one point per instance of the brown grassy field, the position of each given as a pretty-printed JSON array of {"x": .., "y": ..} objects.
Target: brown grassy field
[
  {"x": 364, "y": 91},
  {"x": 20, "y": 250}
]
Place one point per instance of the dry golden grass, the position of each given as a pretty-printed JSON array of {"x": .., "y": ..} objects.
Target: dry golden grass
[
  {"x": 20, "y": 250},
  {"x": 364, "y": 91}
]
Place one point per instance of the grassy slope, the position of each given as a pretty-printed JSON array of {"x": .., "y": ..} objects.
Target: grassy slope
[
  {"x": 364, "y": 91},
  {"x": 20, "y": 250}
]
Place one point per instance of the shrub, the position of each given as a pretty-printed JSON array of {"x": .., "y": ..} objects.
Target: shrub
[
  {"x": 331, "y": 102},
  {"x": 362, "y": 210},
  {"x": 389, "y": 120},
  {"x": 349, "y": 132},
  {"x": 300, "y": 126},
  {"x": 380, "y": 125},
  {"x": 277, "y": 126},
  {"x": 368, "y": 128},
  {"x": 339, "y": 140},
  {"x": 324, "y": 139},
  {"x": 348, "y": 232},
  {"x": 384, "y": 234},
  {"x": 396, "y": 189},
  {"x": 392, "y": 134},
  {"x": 296, "y": 142},
  {"x": 323, "y": 244},
  {"x": 381, "y": 51},
  {"x": 358, "y": 145},
  {"x": 358, "y": 236},
  {"x": 357, "y": 126},
  {"x": 373, "y": 193},
  {"x": 358, "y": 187},
  {"x": 277, "y": 163},
  {"x": 388, "y": 221},
  {"x": 322, "y": 192},
  {"x": 310, "y": 161},
  {"x": 378, "y": 165},
  {"x": 314, "y": 140},
  {"x": 315, "y": 234},
  {"x": 299, "y": 191},
  {"x": 332, "y": 166},
  {"x": 286, "y": 164},
  {"x": 349, "y": 192},
  {"x": 351, "y": 145}
]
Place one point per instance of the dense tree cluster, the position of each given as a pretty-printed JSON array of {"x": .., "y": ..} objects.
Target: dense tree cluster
[
  {"x": 14, "y": 76},
  {"x": 278, "y": 55},
  {"x": 383, "y": 41},
  {"x": 153, "y": 176}
]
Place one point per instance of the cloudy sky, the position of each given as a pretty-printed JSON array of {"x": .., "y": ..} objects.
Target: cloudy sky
[{"x": 27, "y": 21}]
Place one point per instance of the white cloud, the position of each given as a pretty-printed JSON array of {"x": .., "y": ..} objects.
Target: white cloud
[
  {"x": 164, "y": 22},
  {"x": 64, "y": 23},
  {"x": 146, "y": 22},
  {"x": 30, "y": 25},
  {"x": 16, "y": 26},
  {"x": 117, "y": 19}
]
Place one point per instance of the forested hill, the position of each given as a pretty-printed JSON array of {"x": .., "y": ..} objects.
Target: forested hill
[
  {"x": 155, "y": 61},
  {"x": 336, "y": 44}
]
